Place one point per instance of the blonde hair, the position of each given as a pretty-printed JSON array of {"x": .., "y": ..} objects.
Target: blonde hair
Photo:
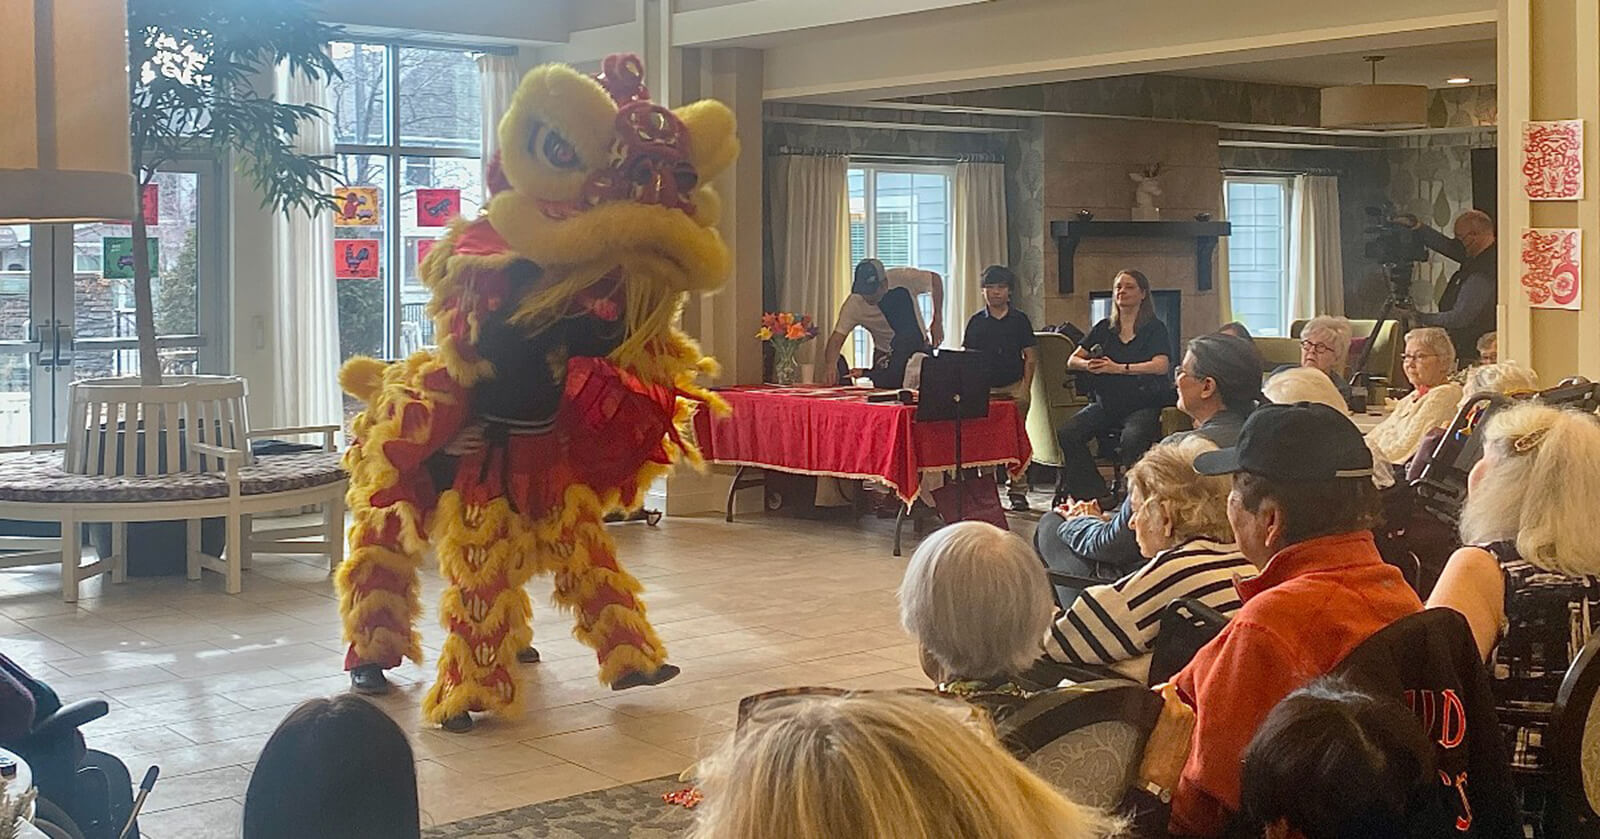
[
  {"x": 1304, "y": 384},
  {"x": 1337, "y": 329},
  {"x": 1504, "y": 377},
  {"x": 1538, "y": 488},
  {"x": 1195, "y": 505},
  {"x": 977, "y": 599},
  {"x": 1436, "y": 339},
  {"x": 877, "y": 767}
]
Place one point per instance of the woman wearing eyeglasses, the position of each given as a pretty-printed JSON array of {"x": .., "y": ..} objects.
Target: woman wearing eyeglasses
[
  {"x": 1428, "y": 361},
  {"x": 1325, "y": 346}
]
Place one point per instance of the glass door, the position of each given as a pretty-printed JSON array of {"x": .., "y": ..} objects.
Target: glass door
[{"x": 66, "y": 301}]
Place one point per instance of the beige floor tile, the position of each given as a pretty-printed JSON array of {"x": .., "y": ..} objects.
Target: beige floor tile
[
  {"x": 208, "y": 820},
  {"x": 198, "y": 788},
  {"x": 610, "y": 753}
]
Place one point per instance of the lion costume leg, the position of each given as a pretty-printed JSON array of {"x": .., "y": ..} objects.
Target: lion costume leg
[
  {"x": 379, "y": 593},
  {"x": 486, "y": 554},
  {"x": 603, "y": 598}
]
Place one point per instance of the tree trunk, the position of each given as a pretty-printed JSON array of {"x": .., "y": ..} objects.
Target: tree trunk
[{"x": 144, "y": 319}]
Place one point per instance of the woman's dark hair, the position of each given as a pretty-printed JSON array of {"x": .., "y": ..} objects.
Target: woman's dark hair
[
  {"x": 1312, "y": 509},
  {"x": 1234, "y": 364},
  {"x": 1237, "y": 330},
  {"x": 335, "y": 769},
  {"x": 998, "y": 275},
  {"x": 1147, "y": 309},
  {"x": 1334, "y": 763}
]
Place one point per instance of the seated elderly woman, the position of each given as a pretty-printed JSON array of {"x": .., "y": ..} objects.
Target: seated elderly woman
[
  {"x": 1180, "y": 518},
  {"x": 1428, "y": 360},
  {"x": 1504, "y": 378},
  {"x": 1525, "y": 576},
  {"x": 877, "y": 766},
  {"x": 1325, "y": 346},
  {"x": 977, "y": 601},
  {"x": 1304, "y": 384}
]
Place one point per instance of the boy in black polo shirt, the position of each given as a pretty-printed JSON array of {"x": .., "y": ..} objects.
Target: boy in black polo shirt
[{"x": 1005, "y": 337}]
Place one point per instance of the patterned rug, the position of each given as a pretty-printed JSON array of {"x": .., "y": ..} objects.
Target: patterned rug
[{"x": 634, "y": 811}]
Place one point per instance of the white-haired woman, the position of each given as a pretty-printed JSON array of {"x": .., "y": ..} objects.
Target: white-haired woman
[
  {"x": 1325, "y": 346},
  {"x": 1180, "y": 518},
  {"x": 1524, "y": 579},
  {"x": 1504, "y": 378},
  {"x": 1428, "y": 360},
  {"x": 877, "y": 767},
  {"x": 1303, "y": 384},
  {"x": 977, "y": 601}
]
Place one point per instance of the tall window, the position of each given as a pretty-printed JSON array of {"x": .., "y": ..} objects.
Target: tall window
[
  {"x": 1258, "y": 253},
  {"x": 900, "y": 214},
  {"x": 406, "y": 118}
]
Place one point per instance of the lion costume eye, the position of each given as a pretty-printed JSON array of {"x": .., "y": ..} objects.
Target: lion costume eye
[{"x": 559, "y": 152}]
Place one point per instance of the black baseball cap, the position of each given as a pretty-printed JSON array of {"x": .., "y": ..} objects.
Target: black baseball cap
[
  {"x": 870, "y": 275},
  {"x": 1300, "y": 443}
]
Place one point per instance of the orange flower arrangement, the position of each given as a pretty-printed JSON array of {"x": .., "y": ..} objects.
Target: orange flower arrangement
[{"x": 787, "y": 331}]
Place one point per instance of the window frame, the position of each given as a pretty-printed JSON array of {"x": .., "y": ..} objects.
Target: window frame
[
  {"x": 394, "y": 154},
  {"x": 869, "y": 193},
  {"x": 1286, "y": 185}
]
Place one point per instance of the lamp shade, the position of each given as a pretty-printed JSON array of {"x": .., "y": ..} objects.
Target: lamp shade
[
  {"x": 1375, "y": 106},
  {"x": 64, "y": 149}
]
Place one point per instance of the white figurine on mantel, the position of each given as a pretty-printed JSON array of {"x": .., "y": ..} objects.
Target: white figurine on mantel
[{"x": 1144, "y": 206}]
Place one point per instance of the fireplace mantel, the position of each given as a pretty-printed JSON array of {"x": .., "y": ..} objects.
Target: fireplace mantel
[{"x": 1204, "y": 233}]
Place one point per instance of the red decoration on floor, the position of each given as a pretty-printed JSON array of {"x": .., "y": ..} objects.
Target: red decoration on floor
[{"x": 686, "y": 798}]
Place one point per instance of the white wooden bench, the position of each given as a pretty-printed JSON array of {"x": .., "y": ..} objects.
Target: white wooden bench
[{"x": 178, "y": 451}]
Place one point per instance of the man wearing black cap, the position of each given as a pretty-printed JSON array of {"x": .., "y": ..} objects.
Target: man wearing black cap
[
  {"x": 1302, "y": 508},
  {"x": 884, "y": 302}
]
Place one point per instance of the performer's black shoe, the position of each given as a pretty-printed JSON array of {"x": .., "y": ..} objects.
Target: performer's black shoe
[
  {"x": 368, "y": 679},
  {"x": 636, "y": 679},
  {"x": 527, "y": 655},
  {"x": 458, "y": 724}
]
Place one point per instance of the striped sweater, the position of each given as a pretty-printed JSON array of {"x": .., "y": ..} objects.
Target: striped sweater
[{"x": 1117, "y": 622}]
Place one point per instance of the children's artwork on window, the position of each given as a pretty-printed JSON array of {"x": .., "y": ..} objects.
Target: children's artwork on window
[
  {"x": 1552, "y": 267},
  {"x": 436, "y": 207},
  {"x": 355, "y": 259},
  {"x": 116, "y": 257},
  {"x": 423, "y": 246},
  {"x": 1552, "y": 160},
  {"x": 356, "y": 206},
  {"x": 150, "y": 201}
]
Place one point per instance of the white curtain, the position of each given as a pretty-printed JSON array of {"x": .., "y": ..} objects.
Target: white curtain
[
  {"x": 497, "y": 81},
  {"x": 306, "y": 304},
  {"x": 979, "y": 218},
  {"x": 1316, "y": 268},
  {"x": 810, "y": 206},
  {"x": 1220, "y": 282}
]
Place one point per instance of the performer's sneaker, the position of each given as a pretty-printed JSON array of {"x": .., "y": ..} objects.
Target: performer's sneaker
[
  {"x": 368, "y": 679},
  {"x": 636, "y": 679},
  {"x": 527, "y": 655},
  {"x": 458, "y": 724},
  {"x": 1019, "y": 503}
]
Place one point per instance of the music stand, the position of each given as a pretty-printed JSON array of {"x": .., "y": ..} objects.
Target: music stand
[{"x": 955, "y": 386}]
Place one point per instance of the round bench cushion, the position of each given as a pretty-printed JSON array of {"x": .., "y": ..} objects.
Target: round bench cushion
[{"x": 38, "y": 478}]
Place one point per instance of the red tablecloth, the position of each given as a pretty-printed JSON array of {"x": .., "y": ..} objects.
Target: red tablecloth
[{"x": 837, "y": 432}]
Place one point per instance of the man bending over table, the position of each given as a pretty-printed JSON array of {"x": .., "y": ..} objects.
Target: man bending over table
[{"x": 884, "y": 302}]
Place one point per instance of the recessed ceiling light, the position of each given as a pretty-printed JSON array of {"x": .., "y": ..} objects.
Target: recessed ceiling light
[{"x": 1458, "y": 80}]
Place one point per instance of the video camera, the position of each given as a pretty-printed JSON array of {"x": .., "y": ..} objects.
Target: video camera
[{"x": 1396, "y": 247}]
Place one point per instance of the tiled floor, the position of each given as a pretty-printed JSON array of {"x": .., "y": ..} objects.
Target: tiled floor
[{"x": 197, "y": 679}]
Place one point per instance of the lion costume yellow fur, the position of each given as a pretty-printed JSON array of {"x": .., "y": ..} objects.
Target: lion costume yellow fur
[{"x": 557, "y": 348}]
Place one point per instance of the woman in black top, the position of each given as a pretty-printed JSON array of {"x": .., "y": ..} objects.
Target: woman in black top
[{"x": 1127, "y": 357}]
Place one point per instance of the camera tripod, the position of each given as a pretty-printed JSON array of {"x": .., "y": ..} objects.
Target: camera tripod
[{"x": 1398, "y": 275}]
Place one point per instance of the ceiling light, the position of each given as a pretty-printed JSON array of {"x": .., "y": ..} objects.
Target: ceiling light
[
  {"x": 1375, "y": 105},
  {"x": 1458, "y": 80},
  {"x": 64, "y": 145}
]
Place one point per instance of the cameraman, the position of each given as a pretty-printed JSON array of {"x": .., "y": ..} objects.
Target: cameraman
[{"x": 1467, "y": 307}]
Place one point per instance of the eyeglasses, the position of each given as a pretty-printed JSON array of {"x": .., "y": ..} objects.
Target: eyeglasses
[
  {"x": 1412, "y": 358},
  {"x": 1315, "y": 347}
]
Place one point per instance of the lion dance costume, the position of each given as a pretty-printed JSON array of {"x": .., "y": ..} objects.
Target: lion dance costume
[{"x": 555, "y": 315}]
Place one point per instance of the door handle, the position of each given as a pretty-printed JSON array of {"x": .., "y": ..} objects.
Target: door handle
[
  {"x": 65, "y": 348},
  {"x": 45, "y": 345}
]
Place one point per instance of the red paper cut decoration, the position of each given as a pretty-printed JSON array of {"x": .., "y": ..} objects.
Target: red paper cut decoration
[
  {"x": 435, "y": 207},
  {"x": 1552, "y": 267},
  {"x": 1552, "y": 160},
  {"x": 355, "y": 259},
  {"x": 150, "y": 200},
  {"x": 423, "y": 246}
]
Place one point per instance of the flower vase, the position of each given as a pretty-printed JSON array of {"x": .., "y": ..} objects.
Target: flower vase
[{"x": 785, "y": 369}]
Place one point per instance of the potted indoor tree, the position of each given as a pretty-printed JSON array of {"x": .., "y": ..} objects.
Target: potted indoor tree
[{"x": 196, "y": 69}]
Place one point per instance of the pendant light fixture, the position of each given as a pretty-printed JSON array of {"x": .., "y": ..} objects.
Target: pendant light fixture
[
  {"x": 1375, "y": 106},
  {"x": 64, "y": 148}
]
